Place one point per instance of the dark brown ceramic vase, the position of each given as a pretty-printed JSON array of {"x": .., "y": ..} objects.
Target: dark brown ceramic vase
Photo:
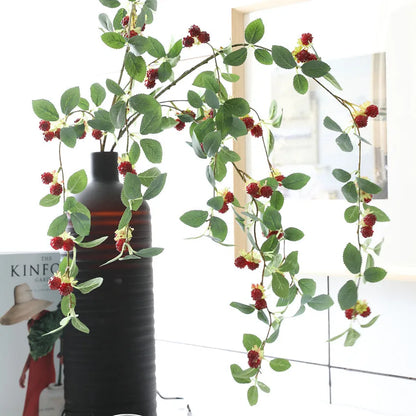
[{"x": 112, "y": 369}]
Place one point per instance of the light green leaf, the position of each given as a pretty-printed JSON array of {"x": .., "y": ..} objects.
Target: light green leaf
[
  {"x": 152, "y": 149},
  {"x": 132, "y": 186},
  {"x": 77, "y": 324},
  {"x": 253, "y": 395},
  {"x": 155, "y": 187},
  {"x": 315, "y": 69},
  {"x": 236, "y": 58},
  {"x": 77, "y": 182},
  {"x": 263, "y": 57},
  {"x": 218, "y": 228},
  {"x": 90, "y": 285},
  {"x": 352, "y": 214},
  {"x": 97, "y": 94},
  {"x": 49, "y": 200},
  {"x": 81, "y": 223},
  {"x": 283, "y": 57},
  {"x": 194, "y": 218},
  {"x": 45, "y": 110},
  {"x": 135, "y": 66},
  {"x": 374, "y": 274},
  {"x": 350, "y": 192},
  {"x": 344, "y": 142},
  {"x": 247, "y": 309},
  {"x": 250, "y": 341},
  {"x": 113, "y": 40},
  {"x": 58, "y": 225},
  {"x": 331, "y": 124},
  {"x": 70, "y": 99},
  {"x": 254, "y": 31},
  {"x": 300, "y": 83},
  {"x": 280, "y": 364},
  {"x": 321, "y": 302},
  {"x": 341, "y": 175},
  {"x": 352, "y": 336},
  {"x": 347, "y": 295},
  {"x": 295, "y": 181},
  {"x": 352, "y": 258},
  {"x": 368, "y": 186}
]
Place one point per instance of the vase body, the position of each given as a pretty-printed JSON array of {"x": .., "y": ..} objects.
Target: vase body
[{"x": 112, "y": 369}]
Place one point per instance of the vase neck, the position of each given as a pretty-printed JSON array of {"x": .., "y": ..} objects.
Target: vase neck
[{"x": 104, "y": 166}]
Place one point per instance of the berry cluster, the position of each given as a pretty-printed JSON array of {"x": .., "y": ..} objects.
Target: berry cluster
[
  {"x": 254, "y": 356},
  {"x": 132, "y": 32},
  {"x": 361, "y": 308},
  {"x": 51, "y": 178},
  {"x": 196, "y": 35},
  {"x": 152, "y": 75},
  {"x": 255, "y": 129},
  {"x": 62, "y": 283},
  {"x": 228, "y": 199},
  {"x": 97, "y": 134},
  {"x": 361, "y": 116},
  {"x": 125, "y": 166},
  {"x": 256, "y": 191},
  {"x": 122, "y": 239},
  {"x": 247, "y": 259},
  {"x": 257, "y": 294},
  {"x": 48, "y": 133},
  {"x": 181, "y": 124},
  {"x": 367, "y": 225},
  {"x": 301, "y": 52},
  {"x": 63, "y": 241}
]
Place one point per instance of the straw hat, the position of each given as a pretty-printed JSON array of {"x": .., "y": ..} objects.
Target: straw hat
[{"x": 25, "y": 306}]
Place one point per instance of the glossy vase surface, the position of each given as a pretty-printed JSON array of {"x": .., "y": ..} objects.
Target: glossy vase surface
[{"x": 112, "y": 369}]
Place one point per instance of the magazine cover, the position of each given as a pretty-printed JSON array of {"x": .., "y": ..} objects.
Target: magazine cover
[{"x": 30, "y": 363}]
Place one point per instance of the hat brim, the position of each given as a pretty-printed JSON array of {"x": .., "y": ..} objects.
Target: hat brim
[{"x": 24, "y": 311}]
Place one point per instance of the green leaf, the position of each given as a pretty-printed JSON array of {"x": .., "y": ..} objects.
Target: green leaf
[
  {"x": 344, "y": 142},
  {"x": 352, "y": 214},
  {"x": 83, "y": 104},
  {"x": 175, "y": 50},
  {"x": 50, "y": 200},
  {"x": 315, "y": 69},
  {"x": 194, "y": 218},
  {"x": 238, "y": 374},
  {"x": 261, "y": 316},
  {"x": 280, "y": 364},
  {"x": 289, "y": 299},
  {"x": 118, "y": 18},
  {"x": 77, "y": 324},
  {"x": 58, "y": 225},
  {"x": 211, "y": 99},
  {"x": 164, "y": 72},
  {"x": 134, "y": 153},
  {"x": 237, "y": 106},
  {"x": 272, "y": 219},
  {"x": 81, "y": 223},
  {"x": 372, "y": 322},
  {"x": 230, "y": 77},
  {"x": 194, "y": 99},
  {"x": 293, "y": 234},
  {"x": 68, "y": 136},
  {"x": 352, "y": 258},
  {"x": 374, "y": 274},
  {"x": 135, "y": 66},
  {"x": 152, "y": 149},
  {"x": 139, "y": 44},
  {"x": 321, "y": 302},
  {"x": 211, "y": 143},
  {"x": 69, "y": 100},
  {"x": 300, "y": 83},
  {"x": 155, "y": 187},
  {"x": 352, "y": 336},
  {"x": 155, "y": 48},
  {"x": 253, "y": 395},
  {"x": 228, "y": 155},
  {"x": 254, "y": 31},
  {"x": 113, "y": 40},
  {"x": 110, "y": 3},
  {"x": 118, "y": 114},
  {"x": 151, "y": 4},
  {"x": 90, "y": 285},
  {"x": 331, "y": 124},
  {"x": 97, "y": 94},
  {"x": 149, "y": 252},
  {"x": 341, "y": 175},
  {"x": 101, "y": 121},
  {"x": 350, "y": 192},
  {"x": 280, "y": 285},
  {"x": 332, "y": 81},
  {"x": 263, "y": 387},
  {"x": 45, "y": 110},
  {"x": 283, "y": 57},
  {"x": 381, "y": 215},
  {"x": 307, "y": 286},
  {"x": 295, "y": 181},
  {"x": 151, "y": 123},
  {"x": 145, "y": 104},
  {"x": 148, "y": 176},
  {"x": 216, "y": 202},
  {"x": 105, "y": 22},
  {"x": 93, "y": 243},
  {"x": 236, "y": 58},
  {"x": 132, "y": 186},
  {"x": 72, "y": 205},
  {"x": 66, "y": 303},
  {"x": 125, "y": 219},
  {"x": 368, "y": 186},
  {"x": 291, "y": 264},
  {"x": 263, "y": 56},
  {"x": 247, "y": 309},
  {"x": 218, "y": 228},
  {"x": 207, "y": 80},
  {"x": 347, "y": 295},
  {"x": 77, "y": 182},
  {"x": 250, "y": 341},
  {"x": 277, "y": 200},
  {"x": 238, "y": 128}
]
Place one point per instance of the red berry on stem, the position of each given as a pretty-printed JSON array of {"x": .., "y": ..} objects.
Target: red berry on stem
[
  {"x": 125, "y": 20},
  {"x": 254, "y": 360},
  {"x": 68, "y": 244},
  {"x": 97, "y": 134},
  {"x": 119, "y": 245},
  {"x": 44, "y": 125},
  {"x": 204, "y": 37},
  {"x": 256, "y": 131},
  {"x": 261, "y": 304},
  {"x": 361, "y": 120},
  {"x": 252, "y": 265},
  {"x": 56, "y": 189},
  {"x": 65, "y": 289},
  {"x": 366, "y": 312},
  {"x": 306, "y": 38},
  {"x": 249, "y": 122},
  {"x": 350, "y": 313},
  {"x": 194, "y": 30},
  {"x": 266, "y": 191},
  {"x": 367, "y": 231},
  {"x": 47, "y": 178},
  {"x": 253, "y": 189},
  {"x": 240, "y": 262},
  {"x": 229, "y": 197},
  {"x": 48, "y": 136},
  {"x": 371, "y": 111},
  {"x": 125, "y": 167},
  {"x": 54, "y": 283},
  {"x": 224, "y": 208},
  {"x": 188, "y": 41},
  {"x": 256, "y": 294},
  {"x": 57, "y": 133},
  {"x": 370, "y": 220},
  {"x": 57, "y": 243},
  {"x": 180, "y": 126}
]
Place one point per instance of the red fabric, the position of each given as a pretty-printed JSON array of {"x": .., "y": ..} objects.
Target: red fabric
[{"x": 41, "y": 374}]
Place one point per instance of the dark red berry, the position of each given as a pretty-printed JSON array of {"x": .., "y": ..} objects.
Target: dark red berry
[
  {"x": 125, "y": 20},
  {"x": 57, "y": 243},
  {"x": 229, "y": 197},
  {"x": 97, "y": 134},
  {"x": 152, "y": 73},
  {"x": 188, "y": 41},
  {"x": 367, "y": 231},
  {"x": 48, "y": 136},
  {"x": 260, "y": 304},
  {"x": 119, "y": 245},
  {"x": 305, "y": 56},
  {"x": 249, "y": 122},
  {"x": 65, "y": 289},
  {"x": 44, "y": 125},
  {"x": 279, "y": 234},
  {"x": 82, "y": 135},
  {"x": 57, "y": 133},
  {"x": 254, "y": 360},
  {"x": 371, "y": 111},
  {"x": 279, "y": 179},
  {"x": 204, "y": 37},
  {"x": 190, "y": 113},
  {"x": 180, "y": 126},
  {"x": 368, "y": 199},
  {"x": 125, "y": 167},
  {"x": 252, "y": 265},
  {"x": 194, "y": 30},
  {"x": 253, "y": 189},
  {"x": 68, "y": 244},
  {"x": 240, "y": 262},
  {"x": 143, "y": 27},
  {"x": 266, "y": 191},
  {"x": 370, "y": 220},
  {"x": 131, "y": 34},
  {"x": 256, "y": 294},
  {"x": 55, "y": 189},
  {"x": 256, "y": 131},
  {"x": 224, "y": 208},
  {"x": 54, "y": 283},
  {"x": 350, "y": 313},
  {"x": 361, "y": 120},
  {"x": 149, "y": 83},
  {"x": 306, "y": 38},
  {"x": 47, "y": 178},
  {"x": 366, "y": 312}
]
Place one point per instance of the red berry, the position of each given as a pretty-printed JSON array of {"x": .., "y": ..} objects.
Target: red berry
[
  {"x": 119, "y": 245},
  {"x": 280, "y": 178},
  {"x": 240, "y": 262},
  {"x": 361, "y": 120},
  {"x": 149, "y": 83},
  {"x": 306, "y": 38},
  {"x": 180, "y": 126},
  {"x": 253, "y": 189},
  {"x": 47, "y": 178},
  {"x": 188, "y": 41},
  {"x": 48, "y": 136},
  {"x": 44, "y": 125},
  {"x": 125, "y": 20},
  {"x": 68, "y": 244},
  {"x": 190, "y": 113},
  {"x": 125, "y": 167},
  {"x": 366, "y": 312},
  {"x": 260, "y": 304},
  {"x": 57, "y": 133},
  {"x": 65, "y": 289},
  {"x": 256, "y": 131},
  {"x": 254, "y": 360},
  {"x": 57, "y": 243},
  {"x": 371, "y": 111},
  {"x": 370, "y": 220},
  {"x": 204, "y": 37},
  {"x": 143, "y": 27},
  {"x": 266, "y": 191},
  {"x": 82, "y": 135},
  {"x": 97, "y": 134},
  {"x": 224, "y": 208},
  {"x": 367, "y": 231},
  {"x": 152, "y": 73},
  {"x": 256, "y": 294},
  {"x": 249, "y": 122},
  {"x": 305, "y": 56},
  {"x": 55, "y": 189},
  {"x": 194, "y": 30},
  {"x": 54, "y": 283},
  {"x": 312, "y": 57},
  {"x": 350, "y": 313},
  {"x": 131, "y": 34},
  {"x": 368, "y": 199},
  {"x": 279, "y": 234},
  {"x": 229, "y": 197},
  {"x": 252, "y": 265}
]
